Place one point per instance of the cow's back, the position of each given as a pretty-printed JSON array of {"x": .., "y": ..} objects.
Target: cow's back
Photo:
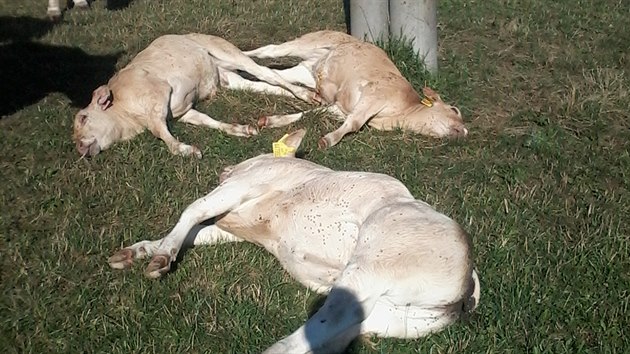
[
  {"x": 363, "y": 71},
  {"x": 311, "y": 219},
  {"x": 175, "y": 58}
]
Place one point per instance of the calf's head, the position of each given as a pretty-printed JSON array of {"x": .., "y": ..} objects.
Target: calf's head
[
  {"x": 94, "y": 127},
  {"x": 435, "y": 118}
]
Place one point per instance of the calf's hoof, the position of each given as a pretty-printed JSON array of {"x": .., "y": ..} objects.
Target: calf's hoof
[
  {"x": 251, "y": 130},
  {"x": 306, "y": 95},
  {"x": 54, "y": 15},
  {"x": 83, "y": 5},
  {"x": 323, "y": 144},
  {"x": 196, "y": 152},
  {"x": 317, "y": 98},
  {"x": 262, "y": 122},
  {"x": 160, "y": 265},
  {"x": 189, "y": 150},
  {"x": 122, "y": 259}
]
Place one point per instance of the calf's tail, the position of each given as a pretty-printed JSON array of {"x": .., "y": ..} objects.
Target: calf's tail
[{"x": 470, "y": 304}]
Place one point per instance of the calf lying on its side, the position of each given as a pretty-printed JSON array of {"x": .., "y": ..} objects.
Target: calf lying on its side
[
  {"x": 361, "y": 85},
  {"x": 392, "y": 265},
  {"x": 166, "y": 79}
]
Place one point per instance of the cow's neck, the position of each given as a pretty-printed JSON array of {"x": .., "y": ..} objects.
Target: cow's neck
[{"x": 127, "y": 124}]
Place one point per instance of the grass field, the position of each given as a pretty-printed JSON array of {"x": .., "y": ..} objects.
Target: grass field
[{"x": 541, "y": 183}]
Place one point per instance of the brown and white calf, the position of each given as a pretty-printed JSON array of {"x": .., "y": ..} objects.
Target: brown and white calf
[
  {"x": 54, "y": 8},
  {"x": 165, "y": 80},
  {"x": 391, "y": 265},
  {"x": 360, "y": 85}
]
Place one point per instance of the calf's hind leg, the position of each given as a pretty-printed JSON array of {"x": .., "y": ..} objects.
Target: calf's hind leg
[
  {"x": 299, "y": 74},
  {"x": 359, "y": 303},
  {"x": 198, "y": 118},
  {"x": 338, "y": 321},
  {"x": 286, "y": 119},
  {"x": 234, "y": 81}
]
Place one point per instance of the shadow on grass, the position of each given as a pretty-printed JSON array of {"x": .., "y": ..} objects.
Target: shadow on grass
[
  {"x": 31, "y": 71},
  {"x": 112, "y": 5},
  {"x": 325, "y": 314},
  {"x": 23, "y": 28},
  {"x": 188, "y": 243},
  {"x": 351, "y": 347},
  {"x": 117, "y": 4}
]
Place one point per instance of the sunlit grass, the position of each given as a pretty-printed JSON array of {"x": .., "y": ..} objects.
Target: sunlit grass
[{"x": 541, "y": 183}]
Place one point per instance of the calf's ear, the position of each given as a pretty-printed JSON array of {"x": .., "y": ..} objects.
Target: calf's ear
[
  {"x": 432, "y": 95},
  {"x": 103, "y": 97}
]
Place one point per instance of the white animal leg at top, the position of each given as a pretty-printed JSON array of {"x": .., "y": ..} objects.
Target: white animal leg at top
[
  {"x": 273, "y": 51},
  {"x": 197, "y": 118},
  {"x": 217, "y": 202},
  {"x": 234, "y": 81},
  {"x": 54, "y": 7},
  {"x": 281, "y": 120},
  {"x": 298, "y": 74}
]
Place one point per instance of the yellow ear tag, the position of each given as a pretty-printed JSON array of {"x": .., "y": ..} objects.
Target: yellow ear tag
[
  {"x": 280, "y": 149},
  {"x": 427, "y": 102}
]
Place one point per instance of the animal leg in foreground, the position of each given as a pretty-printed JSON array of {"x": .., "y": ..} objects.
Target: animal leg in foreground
[{"x": 215, "y": 203}]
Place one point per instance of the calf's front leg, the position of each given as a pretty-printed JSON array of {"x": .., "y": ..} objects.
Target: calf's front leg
[
  {"x": 363, "y": 111},
  {"x": 221, "y": 200},
  {"x": 203, "y": 235},
  {"x": 54, "y": 10},
  {"x": 158, "y": 111}
]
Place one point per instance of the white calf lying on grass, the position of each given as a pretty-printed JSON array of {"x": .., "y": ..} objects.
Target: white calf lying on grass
[
  {"x": 360, "y": 85},
  {"x": 165, "y": 80},
  {"x": 392, "y": 265}
]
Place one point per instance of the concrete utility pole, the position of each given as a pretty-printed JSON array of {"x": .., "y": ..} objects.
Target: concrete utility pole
[
  {"x": 413, "y": 19},
  {"x": 369, "y": 19},
  {"x": 417, "y": 20}
]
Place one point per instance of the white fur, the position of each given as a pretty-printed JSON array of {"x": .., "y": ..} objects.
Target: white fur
[
  {"x": 54, "y": 8},
  {"x": 392, "y": 265}
]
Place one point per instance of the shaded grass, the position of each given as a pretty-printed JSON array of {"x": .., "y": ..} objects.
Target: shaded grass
[{"x": 540, "y": 184}]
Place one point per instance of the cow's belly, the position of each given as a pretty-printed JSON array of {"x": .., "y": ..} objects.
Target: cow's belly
[
  {"x": 313, "y": 242},
  {"x": 315, "y": 252}
]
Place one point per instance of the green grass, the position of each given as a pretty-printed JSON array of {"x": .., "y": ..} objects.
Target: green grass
[{"x": 541, "y": 183}]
